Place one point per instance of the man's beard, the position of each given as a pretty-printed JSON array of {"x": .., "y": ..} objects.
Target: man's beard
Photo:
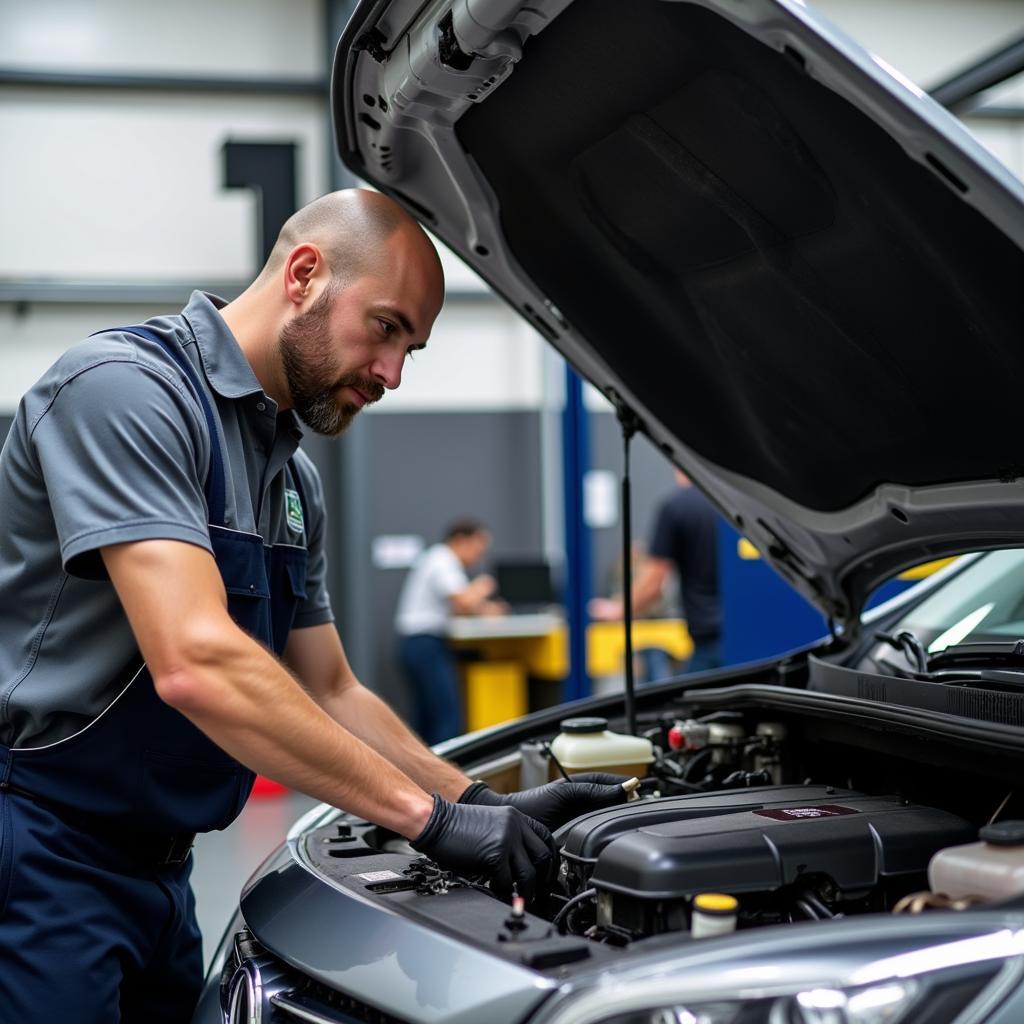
[{"x": 311, "y": 371}]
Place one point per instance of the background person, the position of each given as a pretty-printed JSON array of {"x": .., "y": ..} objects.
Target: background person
[
  {"x": 650, "y": 663},
  {"x": 438, "y": 587},
  {"x": 684, "y": 542}
]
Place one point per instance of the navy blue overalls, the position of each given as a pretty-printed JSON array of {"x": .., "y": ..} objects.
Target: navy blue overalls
[{"x": 96, "y": 913}]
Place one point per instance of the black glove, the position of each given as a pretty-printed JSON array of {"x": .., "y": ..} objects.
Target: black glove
[
  {"x": 498, "y": 842},
  {"x": 557, "y": 802}
]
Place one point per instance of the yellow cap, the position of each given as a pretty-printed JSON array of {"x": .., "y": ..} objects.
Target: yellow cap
[{"x": 715, "y": 903}]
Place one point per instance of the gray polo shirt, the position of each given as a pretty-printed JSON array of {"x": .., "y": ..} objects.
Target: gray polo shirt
[{"x": 111, "y": 445}]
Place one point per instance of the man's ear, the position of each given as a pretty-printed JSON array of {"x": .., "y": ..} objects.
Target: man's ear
[{"x": 303, "y": 264}]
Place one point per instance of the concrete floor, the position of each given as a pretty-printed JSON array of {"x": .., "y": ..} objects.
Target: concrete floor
[{"x": 225, "y": 860}]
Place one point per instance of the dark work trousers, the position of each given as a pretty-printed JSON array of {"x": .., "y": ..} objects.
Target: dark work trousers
[
  {"x": 429, "y": 666},
  {"x": 90, "y": 937}
]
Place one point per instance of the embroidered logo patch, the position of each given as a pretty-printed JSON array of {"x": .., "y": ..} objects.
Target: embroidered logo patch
[{"x": 293, "y": 510}]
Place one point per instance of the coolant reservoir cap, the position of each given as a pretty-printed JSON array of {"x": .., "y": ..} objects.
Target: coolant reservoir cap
[
  {"x": 581, "y": 725},
  {"x": 715, "y": 903},
  {"x": 1003, "y": 833}
]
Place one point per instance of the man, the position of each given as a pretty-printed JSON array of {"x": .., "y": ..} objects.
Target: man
[
  {"x": 162, "y": 540},
  {"x": 436, "y": 588},
  {"x": 684, "y": 543}
]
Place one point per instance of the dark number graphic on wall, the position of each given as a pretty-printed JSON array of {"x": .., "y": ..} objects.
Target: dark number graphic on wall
[{"x": 268, "y": 168}]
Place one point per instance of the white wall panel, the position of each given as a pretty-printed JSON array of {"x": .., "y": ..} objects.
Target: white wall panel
[
  {"x": 100, "y": 185},
  {"x": 458, "y": 277},
  {"x": 480, "y": 356},
  {"x": 928, "y": 40},
  {"x": 229, "y": 38},
  {"x": 30, "y": 342}
]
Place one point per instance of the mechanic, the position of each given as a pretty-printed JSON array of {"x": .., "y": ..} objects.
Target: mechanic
[
  {"x": 436, "y": 588},
  {"x": 684, "y": 542},
  {"x": 165, "y": 631}
]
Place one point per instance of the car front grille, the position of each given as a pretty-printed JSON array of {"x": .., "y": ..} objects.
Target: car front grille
[
  {"x": 319, "y": 1005},
  {"x": 258, "y": 988}
]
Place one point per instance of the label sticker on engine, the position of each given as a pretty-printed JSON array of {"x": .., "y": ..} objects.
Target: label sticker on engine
[
  {"x": 803, "y": 813},
  {"x": 378, "y": 876}
]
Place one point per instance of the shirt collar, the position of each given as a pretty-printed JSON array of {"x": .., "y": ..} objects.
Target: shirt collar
[{"x": 227, "y": 370}]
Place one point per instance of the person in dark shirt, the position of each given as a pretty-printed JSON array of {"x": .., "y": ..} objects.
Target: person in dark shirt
[{"x": 684, "y": 542}]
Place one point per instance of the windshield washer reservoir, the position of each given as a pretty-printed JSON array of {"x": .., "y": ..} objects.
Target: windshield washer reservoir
[
  {"x": 992, "y": 868},
  {"x": 587, "y": 745}
]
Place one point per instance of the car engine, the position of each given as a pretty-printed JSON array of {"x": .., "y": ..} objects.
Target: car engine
[
  {"x": 717, "y": 818},
  {"x": 783, "y": 853}
]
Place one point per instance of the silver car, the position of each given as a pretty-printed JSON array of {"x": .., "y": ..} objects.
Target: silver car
[{"x": 806, "y": 282}]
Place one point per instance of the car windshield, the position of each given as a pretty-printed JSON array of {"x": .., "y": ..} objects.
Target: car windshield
[{"x": 982, "y": 604}]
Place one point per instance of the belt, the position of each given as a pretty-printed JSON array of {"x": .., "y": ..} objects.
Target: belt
[{"x": 146, "y": 848}]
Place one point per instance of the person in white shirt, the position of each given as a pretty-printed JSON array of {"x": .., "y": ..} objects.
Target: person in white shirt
[{"x": 437, "y": 587}]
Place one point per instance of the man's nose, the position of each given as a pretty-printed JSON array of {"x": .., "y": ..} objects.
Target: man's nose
[{"x": 387, "y": 369}]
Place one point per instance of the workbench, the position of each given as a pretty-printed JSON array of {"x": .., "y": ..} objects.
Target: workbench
[{"x": 509, "y": 650}]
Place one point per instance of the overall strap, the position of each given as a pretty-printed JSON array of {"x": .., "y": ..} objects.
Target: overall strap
[{"x": 214, "y": 487}]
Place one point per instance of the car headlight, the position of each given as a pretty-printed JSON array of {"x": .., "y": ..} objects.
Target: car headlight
[
  {"x": 934, "y": 984},
  {"x": 876, "y": 1004}
]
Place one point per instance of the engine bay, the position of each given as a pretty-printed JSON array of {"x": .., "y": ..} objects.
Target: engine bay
[
  {"x": 742, "y": 821},
  {"x": 782, "y": 852}
]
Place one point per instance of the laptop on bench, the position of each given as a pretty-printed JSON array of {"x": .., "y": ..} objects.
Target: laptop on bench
[{"x": 525, "y": 585}]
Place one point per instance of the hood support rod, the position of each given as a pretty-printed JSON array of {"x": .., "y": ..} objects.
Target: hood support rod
[{"x": 630, "y": 423}]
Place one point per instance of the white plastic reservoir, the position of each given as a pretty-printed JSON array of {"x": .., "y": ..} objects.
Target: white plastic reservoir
[
  {"x": 587, "y": 745},
  {"x": 992, "y": 868}
]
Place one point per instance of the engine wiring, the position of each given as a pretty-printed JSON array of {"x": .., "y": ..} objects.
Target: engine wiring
[
  {"x": 1002, "y": 807},
  {"x": 575, "y": 901},
  {"x": 909, "y": 645},
  {"x": 554, "y": 760}
]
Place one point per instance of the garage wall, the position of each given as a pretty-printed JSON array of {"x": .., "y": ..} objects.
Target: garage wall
[
  {"x": 116, "y": 184},
  {"x": 224, "y": 37},
  {"x": 427, "y": 470}
]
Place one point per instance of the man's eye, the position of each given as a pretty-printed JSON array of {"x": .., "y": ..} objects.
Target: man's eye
[{"x": 387, "y": 327}]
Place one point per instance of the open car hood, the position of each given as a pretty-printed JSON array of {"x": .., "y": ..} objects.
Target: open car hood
[{"x": 803, "y": 275}]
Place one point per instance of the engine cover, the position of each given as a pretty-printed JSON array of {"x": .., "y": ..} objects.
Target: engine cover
[{"x": 757, "y": 840}]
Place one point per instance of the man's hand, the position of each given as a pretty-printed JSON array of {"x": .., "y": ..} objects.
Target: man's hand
[
  {"x": 499, "y": 842},
  {"x": 605, "y": 609},
  {"x": 557, "y": 802}
]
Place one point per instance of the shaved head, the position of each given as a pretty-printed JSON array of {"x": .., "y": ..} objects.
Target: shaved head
[
  {"x": 352, "y": 286},
  {"x": 351, "y": 228}
]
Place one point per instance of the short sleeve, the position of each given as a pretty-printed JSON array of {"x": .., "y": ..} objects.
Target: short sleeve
[
  {"x": 120, "y": 446},
  {"x": 447, "y": 576},
  {"x": 315, "y": 608}
]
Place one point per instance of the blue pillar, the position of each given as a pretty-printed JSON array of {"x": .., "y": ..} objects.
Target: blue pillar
[{"x": 575, "y": 460}]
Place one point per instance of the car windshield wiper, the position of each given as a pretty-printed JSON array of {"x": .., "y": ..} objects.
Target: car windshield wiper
[
  {"x": 1000, "y": 654},
  {"x": 1000, "y": 663}
]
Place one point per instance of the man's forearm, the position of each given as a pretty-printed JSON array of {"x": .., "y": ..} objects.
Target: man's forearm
[
  {"x": 240, "y": 695},
  {"x": 649, "y": 583},
  {"x": 255, "y": 711},
  {"x": 365, "y": 715}
]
